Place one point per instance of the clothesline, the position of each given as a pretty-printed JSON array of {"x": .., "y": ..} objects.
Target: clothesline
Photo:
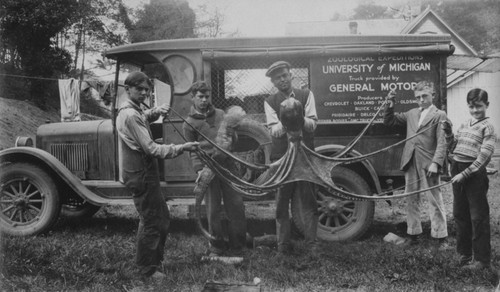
[
  {"x": 69, "y": 93},
  {"x": 47, "y": 78},
  {"x": 71, "y": 88}
]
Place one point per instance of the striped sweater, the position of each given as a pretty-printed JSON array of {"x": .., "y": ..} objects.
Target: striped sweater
[{"x": 474, "y": 142}]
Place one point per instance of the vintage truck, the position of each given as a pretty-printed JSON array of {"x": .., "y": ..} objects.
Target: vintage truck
[{"x": 72, "y": 168}]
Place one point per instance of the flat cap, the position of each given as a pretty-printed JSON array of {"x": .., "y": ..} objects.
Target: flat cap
[{"x": 276, "y": 66}]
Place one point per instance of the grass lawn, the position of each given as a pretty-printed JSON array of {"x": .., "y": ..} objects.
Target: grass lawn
[{"x": 97, "y": 254}]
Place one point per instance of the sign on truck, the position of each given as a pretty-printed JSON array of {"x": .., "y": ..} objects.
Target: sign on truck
[{"x": 351, "y": 89}]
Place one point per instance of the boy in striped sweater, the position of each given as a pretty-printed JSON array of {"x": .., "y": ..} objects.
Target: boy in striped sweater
[{"x": 472, "y": 148}]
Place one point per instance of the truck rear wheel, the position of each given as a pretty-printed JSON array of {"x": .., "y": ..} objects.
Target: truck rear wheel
[
  {"x": 340, "y": 220},
  {"x": 29, "y": 200}
]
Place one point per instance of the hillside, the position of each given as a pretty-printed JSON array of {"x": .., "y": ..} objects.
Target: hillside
[{"x": 21, "y": 118}]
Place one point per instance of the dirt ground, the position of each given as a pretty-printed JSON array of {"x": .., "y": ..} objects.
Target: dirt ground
[{"x": 21, "y": 118}]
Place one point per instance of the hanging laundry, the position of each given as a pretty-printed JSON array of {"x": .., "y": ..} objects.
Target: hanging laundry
[
  {"x": 69, "y": 93},
  {"x": 105, "y": 89}
]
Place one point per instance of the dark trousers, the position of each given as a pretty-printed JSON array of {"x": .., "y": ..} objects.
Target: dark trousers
[
  {"x": 303, "y": 193},
  {"x": 472, "y": 214},
  {"x": 235, "y": 211},
  {"x": 154, "y": 217}
]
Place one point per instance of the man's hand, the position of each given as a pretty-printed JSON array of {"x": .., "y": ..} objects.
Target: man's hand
[
  {"x": 391, "y": 97},
  {"x": 446, "y": 126},
  {"x": 458, "y": 178},
  {"x": 190, "y": 146},
  {"x": 204, "y": 178},
  {"x": 163, "y": 109},
  {"x": 201, "y": 173},
  {"x": 433, "y": 169}
]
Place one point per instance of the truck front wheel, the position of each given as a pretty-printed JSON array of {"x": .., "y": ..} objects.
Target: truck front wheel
[
  {"x": 29, "y": 200},
  {"x": 339, "y": 219}
]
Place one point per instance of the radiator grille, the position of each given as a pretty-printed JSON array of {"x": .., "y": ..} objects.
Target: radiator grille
[{"x": 73, "y": 156}]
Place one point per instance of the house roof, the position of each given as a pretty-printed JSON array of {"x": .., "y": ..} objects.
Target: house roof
[
  {"x": 417, "y": 26},
  {"x": 474, "y": 63}
]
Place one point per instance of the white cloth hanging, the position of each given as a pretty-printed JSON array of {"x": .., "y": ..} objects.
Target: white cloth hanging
[{"x": 69, "y": 93}]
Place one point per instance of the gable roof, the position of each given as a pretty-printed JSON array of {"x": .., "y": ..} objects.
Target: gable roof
[
  {"x": 427, "y": 22},
  {"x": 489, "y": 63},
  {"x": 418, "y": 25}
]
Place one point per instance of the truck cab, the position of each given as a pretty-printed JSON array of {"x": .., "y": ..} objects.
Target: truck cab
[{"x": 74, "y": 167}]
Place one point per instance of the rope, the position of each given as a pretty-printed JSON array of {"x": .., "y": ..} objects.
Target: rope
[
  {"x": 401, "y": 187},
  {"x": 237, "y": 159},
  {"x": 351, "y": 144},
  {"x": 285, "y": 166}
]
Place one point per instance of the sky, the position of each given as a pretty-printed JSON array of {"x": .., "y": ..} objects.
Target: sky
[
  {"x": 268, "y": 18},
  {"x": 254, "y": 18}
]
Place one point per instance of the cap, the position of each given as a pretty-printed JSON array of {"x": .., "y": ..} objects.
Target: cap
[{"x": 276, "y": 66}]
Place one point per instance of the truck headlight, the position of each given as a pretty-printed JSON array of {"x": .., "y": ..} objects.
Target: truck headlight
[{"x": 23, "y": 142}]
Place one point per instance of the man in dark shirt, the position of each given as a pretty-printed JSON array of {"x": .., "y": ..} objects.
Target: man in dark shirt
[
  {"x": 208, "y": 120},
  {"x": 303, "y": 192}
]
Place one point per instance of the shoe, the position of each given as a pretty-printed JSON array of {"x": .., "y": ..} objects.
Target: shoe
[
  {"x": 249, "y": 240},
  {"x": 215, "y": 251},
  {"x": 214, "y": 254},
  {"x": 284, "y": 249},
  {"x": 476, "y": 266},
  {"x": 236, "y": 252},
  {"x": 412, "y": 240},
  {"x": 315, "y": 250},
  {"x": 268, "y": 240},
  {"x": 443, "y": 244},
  {"x": 464, "y": 260},
  {"x": 158, "y": 276}
]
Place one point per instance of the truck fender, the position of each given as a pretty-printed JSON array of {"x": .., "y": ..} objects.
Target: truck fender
[
  {"x": 54, "y": 166},
  {"x": 373, "y": 181}
]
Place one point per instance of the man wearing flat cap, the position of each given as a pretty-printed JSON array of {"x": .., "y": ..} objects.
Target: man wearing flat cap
[{"x": 302, "y": 192}]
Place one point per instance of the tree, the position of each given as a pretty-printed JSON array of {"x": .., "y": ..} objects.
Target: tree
[
  {"x": 38, "y": 42},
  {"x": 370, "y": 11},
  {"x": 98, "y": 25},
  {"x": 163, "y": 19},
  {"x": 338, "y": 17},
  {"x": 478, "y": 22},
  {"x": 209, "y": 23},
  {"x": 27, "y": 31}
]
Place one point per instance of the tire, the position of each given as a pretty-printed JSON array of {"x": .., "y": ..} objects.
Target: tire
[
  {"x": 253, "y": 145},
  {"x": 29, "y": 200},
  {"x": 78, "y": 208},
  {"x": 340, "y": 220},
  {"x": 257, "y": 132}
]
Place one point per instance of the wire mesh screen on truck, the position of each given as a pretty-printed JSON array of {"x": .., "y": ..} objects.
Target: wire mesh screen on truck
[{"x": 243, "y": 83}]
